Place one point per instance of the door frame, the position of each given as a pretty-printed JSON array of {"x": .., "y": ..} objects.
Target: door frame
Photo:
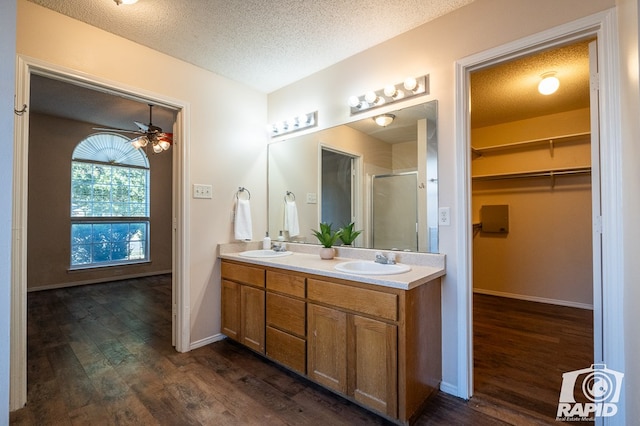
[
  {"x": 604, "y": 27},
  {"x": 27, "y": 66}
]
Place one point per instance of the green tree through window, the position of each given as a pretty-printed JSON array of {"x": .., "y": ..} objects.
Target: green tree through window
[{"x": 109, "y": 202}]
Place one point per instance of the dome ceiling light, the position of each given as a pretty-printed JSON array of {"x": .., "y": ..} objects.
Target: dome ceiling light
[
  {"x": 384, "y": 120},
  {"x": 549, "y": 83}
]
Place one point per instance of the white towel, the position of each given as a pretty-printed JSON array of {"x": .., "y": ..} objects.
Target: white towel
[
  {"x": 291, "y": 223},
  {"x": 242, "y": 224}
]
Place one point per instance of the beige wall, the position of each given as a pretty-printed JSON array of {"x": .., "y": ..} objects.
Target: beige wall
[
  {"x": 546, "y": 255},
  {"x": 226, "y": 138},
  {"x": 51, "y": 144},
  {"x": 404, "y": 157},
  {"x": 431, "y": 48}
]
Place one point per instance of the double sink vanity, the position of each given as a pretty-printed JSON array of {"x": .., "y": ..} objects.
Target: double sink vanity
[{"x": 368, "y": 331}]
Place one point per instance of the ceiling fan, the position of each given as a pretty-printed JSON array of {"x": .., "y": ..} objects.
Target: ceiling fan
[{"x": 148, "y": 134}]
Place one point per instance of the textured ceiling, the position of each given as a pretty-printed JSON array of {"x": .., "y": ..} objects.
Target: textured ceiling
[
  {"x": 265, "y": 44},
  {"x": 509, "y": 91}
]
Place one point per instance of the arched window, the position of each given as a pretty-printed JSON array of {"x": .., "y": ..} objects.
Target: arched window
[{"x": 109, "y": 202}]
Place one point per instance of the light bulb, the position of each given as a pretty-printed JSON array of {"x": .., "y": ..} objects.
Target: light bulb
[
  {"x": 390, "y": 91},
  {"x": 549, "y": 84},
  {"x": 157, "y": 148},
  {"x": 371, "y": 97},
  {"x": 354, "y": 101},
  {"x": 410, "y": 84}
]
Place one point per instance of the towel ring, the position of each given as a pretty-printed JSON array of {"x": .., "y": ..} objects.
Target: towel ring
[
  {"x": 289, "y": 194},
  {"x": 242, "y": 189}
]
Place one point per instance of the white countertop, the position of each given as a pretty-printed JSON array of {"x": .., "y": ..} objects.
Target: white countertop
[{"x": 424, "y": 267}]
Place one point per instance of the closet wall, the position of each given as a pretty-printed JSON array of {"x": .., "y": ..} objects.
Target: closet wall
[{"x": 547, "y": 253}]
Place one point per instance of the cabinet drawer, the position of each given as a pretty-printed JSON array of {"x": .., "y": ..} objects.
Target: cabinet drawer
[
  {"x": 286, "y": 313},
  {"x": 287, "y": 349},
  {"x": 285, "y": 283},
  {"x": 371, "y": 302},
  {"x": 244, "y": 274}
]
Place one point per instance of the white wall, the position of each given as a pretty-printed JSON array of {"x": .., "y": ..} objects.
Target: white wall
[
  {"x": 226, "y": 144},
  {"x": 431, "y": 48},
  {"x": 7, "y": 78},
  {"x": 628, "y": 15}
]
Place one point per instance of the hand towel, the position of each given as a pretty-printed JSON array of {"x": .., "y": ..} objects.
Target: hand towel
[
  {"x": 242, "y": 224},
  {"x": 291, "y": 223}
]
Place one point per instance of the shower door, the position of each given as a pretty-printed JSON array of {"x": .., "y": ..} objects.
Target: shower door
[{"x": 394, "y": 202}]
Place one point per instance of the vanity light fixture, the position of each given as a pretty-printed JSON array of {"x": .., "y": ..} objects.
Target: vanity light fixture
[
  {"x": 384, "y": 120},
  {"x": 411, "y": 86},
  {"x": 293, "y": 124},
  {"x": 549, "y": 83}
]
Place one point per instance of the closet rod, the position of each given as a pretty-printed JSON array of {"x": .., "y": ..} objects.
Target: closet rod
[
  {"x": 545, "y": 173},
  {"x": 511, "y": 145}
]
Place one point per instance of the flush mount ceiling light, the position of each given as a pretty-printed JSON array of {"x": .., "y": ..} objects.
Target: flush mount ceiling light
[
  {"x": 293, "y": 124},
  {"x": 384, "y": 120},
  {"x": 549, "y": 83},
  {"x": 119, "y": 2},
  {"x": 391, "y": 93}
]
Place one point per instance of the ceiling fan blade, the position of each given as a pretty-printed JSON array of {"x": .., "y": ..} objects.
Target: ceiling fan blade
[
  {"x": 105, "y": 129},
  {"x": 143, "y": 127}
]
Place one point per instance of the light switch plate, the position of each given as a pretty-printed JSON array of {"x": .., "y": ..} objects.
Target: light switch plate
[
  {"x": 312, "y": 198},
  {"x": 202, "y": 191}
]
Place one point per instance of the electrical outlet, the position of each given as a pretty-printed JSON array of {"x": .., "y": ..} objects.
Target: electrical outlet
[
  {"x": 202, "y": 191},
  {"x": 444, "y": 216}
]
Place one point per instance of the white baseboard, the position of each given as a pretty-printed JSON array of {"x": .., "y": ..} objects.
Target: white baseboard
[
  {"x": 208, "y": 340},
  {"x": 568, "y": 303},
  {"x": 98, "y": 280},
  {"x": 449, "y": 388}
]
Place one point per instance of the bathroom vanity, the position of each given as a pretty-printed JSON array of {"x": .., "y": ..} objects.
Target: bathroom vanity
[{"x": 374, "y": 339}]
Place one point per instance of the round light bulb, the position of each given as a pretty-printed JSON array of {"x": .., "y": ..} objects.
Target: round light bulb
[
  {"x": 410, "y": 83},
  {"x": 354, "y": 101},
  {"x": 548, "y": 85},
  {"x": 390, "y": 90},
  {"x": 370, "y": 97}
]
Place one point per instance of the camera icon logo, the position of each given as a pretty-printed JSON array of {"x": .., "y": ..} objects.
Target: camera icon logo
[{"x": 598, "y": 385}]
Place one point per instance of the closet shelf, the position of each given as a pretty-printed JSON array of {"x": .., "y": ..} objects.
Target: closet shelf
[
  {"x": 552, "y": 173},
  {"x": 521, "y": 144}
]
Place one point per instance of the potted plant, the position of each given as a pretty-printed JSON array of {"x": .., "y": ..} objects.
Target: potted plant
[
  {"x": 327, "y": 237},
  {"x": 348, "y": 235}
]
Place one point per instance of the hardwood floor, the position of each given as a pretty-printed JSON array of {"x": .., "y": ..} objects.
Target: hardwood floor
[{"x": 102, "y": 355}]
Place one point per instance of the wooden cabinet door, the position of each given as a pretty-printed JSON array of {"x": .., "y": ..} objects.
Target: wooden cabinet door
[
  {"x": 327, "y": 347},
  {"x": 252, "y": 318},
  {"x": 373, "y": 352},
  {"x": 231, "y": 309}
]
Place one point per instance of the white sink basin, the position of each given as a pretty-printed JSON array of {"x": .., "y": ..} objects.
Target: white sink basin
[
  {"x": 265, "y": 253},
  {"x": 369, "y": 267}
]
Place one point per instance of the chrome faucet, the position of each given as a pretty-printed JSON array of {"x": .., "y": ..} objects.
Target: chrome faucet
[
  {"x": 279, "y": 247},
  {"x": 389, "y": 259}
]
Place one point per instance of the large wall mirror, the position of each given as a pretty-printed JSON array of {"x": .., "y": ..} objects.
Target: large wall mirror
[{"x": 382, "y": 178}]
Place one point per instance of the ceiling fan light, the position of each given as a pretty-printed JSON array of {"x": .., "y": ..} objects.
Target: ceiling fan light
[
  {"x": 140, "y": 142},
  {"x": 165, "y": 145},
  {"x": 157, "y": 148}
]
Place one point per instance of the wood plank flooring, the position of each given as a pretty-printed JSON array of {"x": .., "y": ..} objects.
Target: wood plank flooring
[{"x": 102, "y": 355}]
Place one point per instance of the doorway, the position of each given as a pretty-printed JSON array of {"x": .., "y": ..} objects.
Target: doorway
[
  {"x": 607, "y": 290},
  {"x": 337, "y": 187},
  {"x": 26, "y": 68},
  {"x": 531, "y": 201}
]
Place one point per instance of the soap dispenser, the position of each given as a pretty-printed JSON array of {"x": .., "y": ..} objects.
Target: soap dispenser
[
  {"x": 266, "y": 242},
  {"x": 280, "y": 237}
]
